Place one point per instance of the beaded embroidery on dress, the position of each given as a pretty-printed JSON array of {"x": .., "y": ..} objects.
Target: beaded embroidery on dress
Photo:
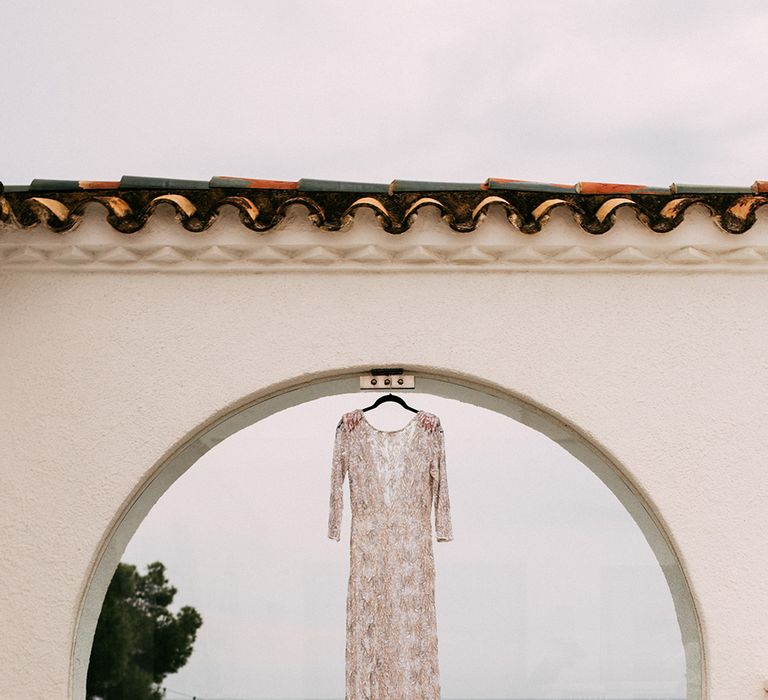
[{"x": 396, "y": 477}]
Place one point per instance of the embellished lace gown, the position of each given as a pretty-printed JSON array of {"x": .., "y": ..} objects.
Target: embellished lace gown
[{"x": 395, "y": 479}]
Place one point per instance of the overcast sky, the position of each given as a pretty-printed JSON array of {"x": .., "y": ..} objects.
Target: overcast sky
[
  {"x": 548, "y": 590},
  {"x": 545, "y": 592},
  {"x": 650, "y": 92}
]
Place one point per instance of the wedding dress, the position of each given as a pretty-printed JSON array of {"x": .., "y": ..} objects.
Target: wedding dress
[{"x": 395, "y": 479}]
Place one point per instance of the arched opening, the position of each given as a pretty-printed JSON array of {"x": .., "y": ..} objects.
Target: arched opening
[{"x": 461, "y": 389}]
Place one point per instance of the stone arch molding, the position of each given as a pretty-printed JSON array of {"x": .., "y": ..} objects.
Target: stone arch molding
[{"x": 463, "y": 388}]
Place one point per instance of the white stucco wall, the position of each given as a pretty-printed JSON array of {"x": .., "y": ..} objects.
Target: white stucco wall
[{"x": 104, "y": 373}]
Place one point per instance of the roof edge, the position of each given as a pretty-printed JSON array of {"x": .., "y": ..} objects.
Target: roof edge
[{"x": 262, "y": 204}]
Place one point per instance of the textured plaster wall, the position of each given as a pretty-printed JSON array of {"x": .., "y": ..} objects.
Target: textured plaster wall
[{"x": 103, "y": 374}]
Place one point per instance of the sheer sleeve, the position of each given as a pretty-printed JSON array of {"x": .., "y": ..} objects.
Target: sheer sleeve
[
  {"x": 338, "y": 472},
  {"x": 442, "y": 504}
]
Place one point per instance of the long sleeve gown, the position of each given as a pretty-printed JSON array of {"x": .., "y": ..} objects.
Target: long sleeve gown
[{"x": 396, "y": 477}]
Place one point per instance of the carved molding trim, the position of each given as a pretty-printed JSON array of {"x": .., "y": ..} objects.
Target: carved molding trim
[{"x": 265, "y": 258}]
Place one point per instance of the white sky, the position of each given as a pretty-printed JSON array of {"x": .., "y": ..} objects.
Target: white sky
[
  {"x": 532, "y": 594},
  {"x": 650, "y": 92}
]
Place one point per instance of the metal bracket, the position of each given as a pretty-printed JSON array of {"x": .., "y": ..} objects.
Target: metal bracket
[{"x": 386, "y": 379}]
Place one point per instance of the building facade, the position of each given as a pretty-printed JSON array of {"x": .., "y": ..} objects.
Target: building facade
[{"x": 145, "y": 321}]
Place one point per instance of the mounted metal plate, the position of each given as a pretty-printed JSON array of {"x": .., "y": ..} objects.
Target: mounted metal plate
[{"x": 387, "y": 380}]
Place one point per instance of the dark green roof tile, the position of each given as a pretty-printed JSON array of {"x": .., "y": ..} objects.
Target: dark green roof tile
[
  {"x": 427, "y": 186},
  {"x": 679, "y": 188},
  {"x": 133, "y": 182},
  {"x": 54, "y": 185},
  {"x": 307, "y": 184}
]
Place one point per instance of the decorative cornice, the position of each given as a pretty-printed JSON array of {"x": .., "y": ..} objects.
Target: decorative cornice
[
  {"x": 261, "y": 209},
  {"x": 282, "y": 258},
  {"x": 244, "y": 206}
]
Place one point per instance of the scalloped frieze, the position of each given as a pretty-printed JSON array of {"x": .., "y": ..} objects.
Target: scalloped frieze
[{"x": 261, "y": 210}]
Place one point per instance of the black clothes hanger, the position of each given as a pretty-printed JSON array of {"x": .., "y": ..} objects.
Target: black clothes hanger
[{"x": 390, "y": 397}]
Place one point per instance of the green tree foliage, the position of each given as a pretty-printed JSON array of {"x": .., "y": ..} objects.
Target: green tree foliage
[{"x": 138, "y": 641}]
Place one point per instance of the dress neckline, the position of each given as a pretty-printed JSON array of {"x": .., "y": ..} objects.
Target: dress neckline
[{"x": 388, "y": 432}]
